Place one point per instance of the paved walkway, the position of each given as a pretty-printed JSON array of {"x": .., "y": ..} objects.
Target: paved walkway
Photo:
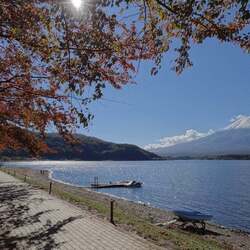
[{"x": 32, "y": 219}]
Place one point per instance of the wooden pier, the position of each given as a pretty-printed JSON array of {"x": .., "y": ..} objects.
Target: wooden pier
[{"x": 119, "y": 184}]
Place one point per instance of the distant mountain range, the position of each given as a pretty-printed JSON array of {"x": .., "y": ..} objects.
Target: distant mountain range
[
  {"x": 226, "y": 142},
  {"x": 88, "y": 148},
  {"x": 232, "y": 142}
]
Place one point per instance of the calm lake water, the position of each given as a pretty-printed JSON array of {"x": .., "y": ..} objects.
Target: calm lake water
[{"x": 220, "y": 188}]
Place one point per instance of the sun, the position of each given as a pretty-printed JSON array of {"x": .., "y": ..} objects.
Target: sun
[{"x": 77, "y": 3}]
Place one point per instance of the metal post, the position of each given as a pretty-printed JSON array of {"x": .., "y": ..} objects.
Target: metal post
[
  {"x": 112, "y": 211},
  {"x": 96, "y": 181},
  {"x": 14, "y": 172},
  {"x": 50, "y": 187}
]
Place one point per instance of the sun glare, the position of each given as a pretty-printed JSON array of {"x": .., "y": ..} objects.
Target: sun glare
[{"x": 77, "y": 3}]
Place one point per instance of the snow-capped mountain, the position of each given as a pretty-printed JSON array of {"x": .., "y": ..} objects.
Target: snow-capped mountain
[
  {"x": 240, "y": 121},
  {"x": 234, "y": 139}
]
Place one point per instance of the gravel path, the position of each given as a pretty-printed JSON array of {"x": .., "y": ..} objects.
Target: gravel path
[{"x": 32, "y": 219}]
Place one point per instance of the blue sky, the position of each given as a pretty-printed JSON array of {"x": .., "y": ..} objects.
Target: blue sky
[{"x": 203, "y": 97}]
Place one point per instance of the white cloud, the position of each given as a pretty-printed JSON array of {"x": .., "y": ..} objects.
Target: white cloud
[
  {"x": 239, "y": 121},
  {"x": 189, "y": 135}
]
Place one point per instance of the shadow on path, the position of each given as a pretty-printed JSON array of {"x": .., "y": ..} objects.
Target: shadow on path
[{"x": 14, "y": 214}]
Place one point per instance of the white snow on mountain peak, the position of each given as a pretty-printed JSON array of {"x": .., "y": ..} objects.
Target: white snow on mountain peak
[
  {"x": 189, "y": 135},
  {"x": 240, "y": 121}
]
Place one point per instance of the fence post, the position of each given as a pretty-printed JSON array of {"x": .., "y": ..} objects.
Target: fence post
[
  {"x": 25, "y": 178},
  {"x": 50, "y": 187},
  {"x": 112, "y": 211},
  {"x": 14, "y": 172},
  {"x": 96, "y": 181}
]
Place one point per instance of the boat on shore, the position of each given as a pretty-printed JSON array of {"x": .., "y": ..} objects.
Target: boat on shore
[
  {"x": 127, "y": 184},
  {"x": 192, "y": 216}
]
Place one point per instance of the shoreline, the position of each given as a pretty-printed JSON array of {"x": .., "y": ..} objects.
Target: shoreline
[
  {"x": 112, "y": 196},
  {"x": 50, "y": 173},
  {"x": 227, "y": 157},
  {"x": 140, "y": 203},
  {"x": 134, "y": 216}
]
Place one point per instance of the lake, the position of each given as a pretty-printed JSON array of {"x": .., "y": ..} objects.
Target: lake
[{"x": 220, "y": 188}]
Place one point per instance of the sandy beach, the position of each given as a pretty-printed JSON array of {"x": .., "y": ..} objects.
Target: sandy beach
[{"x": 141, "y": 219}]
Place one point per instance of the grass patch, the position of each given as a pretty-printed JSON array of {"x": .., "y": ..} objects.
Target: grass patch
[{"x": 178, "y": 238}]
